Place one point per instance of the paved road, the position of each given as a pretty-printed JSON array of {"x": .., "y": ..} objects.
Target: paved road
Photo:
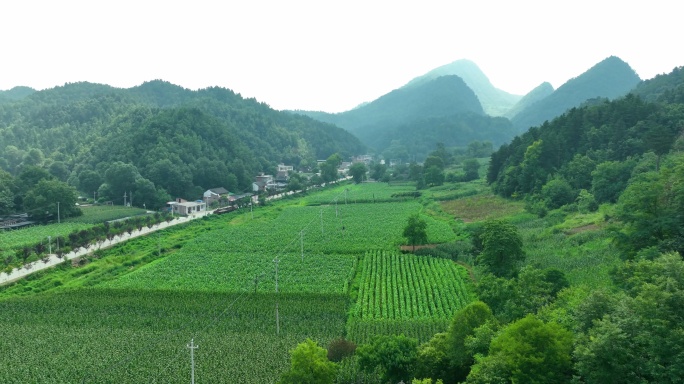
[{"x": 53, "y": 260}]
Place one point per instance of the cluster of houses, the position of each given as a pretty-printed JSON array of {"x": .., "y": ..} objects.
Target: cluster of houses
[{"x": 262, "y": 184}]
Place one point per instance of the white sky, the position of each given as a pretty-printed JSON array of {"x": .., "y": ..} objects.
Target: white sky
[{"x": 327, "y": 55}]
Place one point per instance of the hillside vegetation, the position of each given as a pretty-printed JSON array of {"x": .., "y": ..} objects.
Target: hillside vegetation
[{"x": 158, "y": 141}]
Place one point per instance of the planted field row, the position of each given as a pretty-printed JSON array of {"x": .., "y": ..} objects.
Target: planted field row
[
  {"x": 402, "y": 287},
  {"x": 351, "y": 228},
  {"x": 100, "y": 213},
  {"x": 197, "y": 269},
  {"x": 362, "y": 331},
  {"x": 362, "y": 193},
  {"x": 16, "y": 239},
  {"x": 114, "y": 336}
]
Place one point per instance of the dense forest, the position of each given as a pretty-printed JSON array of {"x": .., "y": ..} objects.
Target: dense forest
[
  {"x": 156, "y": 140},
  {"x": 626, "y": 151}
]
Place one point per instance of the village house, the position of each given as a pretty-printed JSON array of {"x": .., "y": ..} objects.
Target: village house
[
  {"x": 215, "y": 194},
  {"x": 187, "y": 208}
]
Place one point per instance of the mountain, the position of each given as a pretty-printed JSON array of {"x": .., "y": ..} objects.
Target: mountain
[
  {"x": 179, "y": 142},
  {"x": 611, "y": 78},
  {"x": 443, "y": 96},
  {"x": 495, "y": 102},
  {"x": 540, "y": 92},
  {"x": 664, "y": 87},
  {"x": 417, "y": 138},
  {"x": 15, "y": 93}
]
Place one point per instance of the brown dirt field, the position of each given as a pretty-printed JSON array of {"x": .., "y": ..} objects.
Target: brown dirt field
[{"x": 584, "y": 228}]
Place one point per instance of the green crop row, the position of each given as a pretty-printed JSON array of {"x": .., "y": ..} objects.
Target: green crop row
[
  {"x": 125, "y": 336},
  {"x": 398, "y": 286}
]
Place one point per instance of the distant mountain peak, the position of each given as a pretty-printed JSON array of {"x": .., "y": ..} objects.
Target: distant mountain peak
[
  {"x": 495, "y": 102},
  {"x": 610, "y": 78}
]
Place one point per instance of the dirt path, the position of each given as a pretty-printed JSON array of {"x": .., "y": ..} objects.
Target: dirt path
[{"x": 53, "y": 260}]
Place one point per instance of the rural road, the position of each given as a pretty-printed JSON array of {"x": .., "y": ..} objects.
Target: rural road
[{"x": 53, "y": 260}]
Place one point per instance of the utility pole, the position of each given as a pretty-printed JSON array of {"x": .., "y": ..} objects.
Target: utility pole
[
  {"x": 58, "y": 220},
  {"x": 124, "y": 198},
  {"x": 276, "y": 261},
  {"x": 50, "y": 245},
  {"x": 192, "y": 347}
]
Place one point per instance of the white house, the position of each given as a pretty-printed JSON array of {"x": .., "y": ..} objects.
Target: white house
[{"x": 189, "y": 207}]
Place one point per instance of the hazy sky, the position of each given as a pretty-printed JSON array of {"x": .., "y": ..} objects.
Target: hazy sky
[{"x": 327, "y": 55}]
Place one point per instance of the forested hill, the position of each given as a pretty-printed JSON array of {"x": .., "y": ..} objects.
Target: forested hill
[
  {"x": 15, "y": 93},
  {"x": 442, "y": 110},
  {"x": 178, "y": 142},
  {"x": 629, "y": 151},
  {"x": 611, "y": 78}
]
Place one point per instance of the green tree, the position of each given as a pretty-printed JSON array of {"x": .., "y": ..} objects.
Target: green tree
[
  {"x": 434, "y": 176},
  {"x": 41, "y": 201},
  {"x": 395, "y": 357},
  {"x": 358, "y": 172},
  {"x": 528, "y": 351},
  {"x": 415, "y": 231},
  {"x": 637, "y": 337},
  {"x": 609, "y": 179},
  {"x": 330, "y": 167},
  {"x": 557, "y": 193},
  {"x": 309, "y": 365},
  {"x": 471, "y": 169},
  {"x": 89, "y": 181},
  {"x": 501, "y": 247},
  {"x": 462, "y": 327}
]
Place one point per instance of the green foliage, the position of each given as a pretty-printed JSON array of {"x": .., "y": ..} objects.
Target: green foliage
[
  {"x": 501, "y": 248},
  {"x": 637, "y": 337},
  {"x": 471, "y": 168},
  {"x": 557, "y": 193},
  {"x": 512, "y": 299},
  {"x": 651, "y": 207},
  {"x": 395, "y": 356},
  {"x": 415, "y": 231},
  {"x": 586, "y": 202},
  {"x": 340, "y": 349},
  {"x": 358, "y": 172},
  {"x": 310, "y": 365},
  {"x": 609, "y": 179},
  {"x": 182, "y": 141},
  {"x": 527, "y": 351},
  {"x": 41, "y": 200}
]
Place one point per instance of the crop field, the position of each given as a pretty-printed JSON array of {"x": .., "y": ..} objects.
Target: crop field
[
  {"x": 395, "y": 290},
  {"x": 482, "y": 207},
  {"x": 362, "y": 193},
  {"x": 127, "y": 313},
  {"x": 585, "y": 257},
  {"x": 29, "y": 236},
  {"x": 100, "y": 213},
  {"x": 129, "y": 336},
  {"x": 200, "y": 270}
]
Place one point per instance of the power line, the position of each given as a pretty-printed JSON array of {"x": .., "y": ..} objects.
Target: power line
[{"x": 149, "y": 346}]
